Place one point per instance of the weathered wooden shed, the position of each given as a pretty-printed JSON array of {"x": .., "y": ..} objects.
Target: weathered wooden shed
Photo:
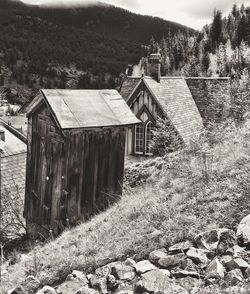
[{"x": 75, "y": 159}]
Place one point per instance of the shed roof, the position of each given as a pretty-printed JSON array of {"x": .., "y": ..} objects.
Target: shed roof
[
  {"x": 177, "y": 102},
  {"x": 87, "y": 108}
]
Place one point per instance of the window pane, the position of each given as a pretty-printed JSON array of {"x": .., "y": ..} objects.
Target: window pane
[
  {"x": 148, "y": 137},
  {"x": 139, "y": 138}
]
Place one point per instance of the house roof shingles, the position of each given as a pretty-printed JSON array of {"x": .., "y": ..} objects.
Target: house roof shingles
[
  {"x": 13, "y": 170},
  {"x": 128, "y": 86},
  {"x": 178, "y": 104},
  {"x": 176, "y": 101}
]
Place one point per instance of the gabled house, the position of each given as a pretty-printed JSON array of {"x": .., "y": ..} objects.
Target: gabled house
[
  {"x": 187, "y": 103},
  {"x": 75, "y": 159}
]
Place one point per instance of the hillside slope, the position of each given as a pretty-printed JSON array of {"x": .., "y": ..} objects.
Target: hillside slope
[
  {"x": 39, "y": 45},
  {"x": 180, "y": 197}
]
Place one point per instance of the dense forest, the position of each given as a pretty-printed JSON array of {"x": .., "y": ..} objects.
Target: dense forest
[
  {"x": 84, "y": 47},
  {"x": 220, "y": 49}
]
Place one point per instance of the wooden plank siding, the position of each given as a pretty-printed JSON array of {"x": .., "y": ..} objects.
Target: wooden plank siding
[{"x": 70, "y": 174}]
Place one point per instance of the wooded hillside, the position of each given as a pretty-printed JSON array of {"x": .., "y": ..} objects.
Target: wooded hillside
[{"x": 90, "y": 46}]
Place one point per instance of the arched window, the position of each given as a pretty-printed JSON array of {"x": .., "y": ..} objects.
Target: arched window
[
  {"x": 139, "y": 139},
  {"x": 148, "y": 137}
]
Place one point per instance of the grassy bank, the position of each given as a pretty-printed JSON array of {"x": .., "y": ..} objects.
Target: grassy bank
[{"x": 193, "y": 190}]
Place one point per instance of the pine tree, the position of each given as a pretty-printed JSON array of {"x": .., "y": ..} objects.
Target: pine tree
[
  {"x": 216, "y": 30},
  {"x": 241, "y": 30}
]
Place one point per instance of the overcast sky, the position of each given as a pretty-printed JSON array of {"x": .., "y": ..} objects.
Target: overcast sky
[{"x": 193, "y": 13}]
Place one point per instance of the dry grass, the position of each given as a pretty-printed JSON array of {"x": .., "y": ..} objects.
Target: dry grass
[{"x": 175, "y": 206}]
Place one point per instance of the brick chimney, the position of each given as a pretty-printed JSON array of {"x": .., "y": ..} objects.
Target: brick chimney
[
  {"x": 154, "y": 66},
  {"x": 129, "y": 70}
]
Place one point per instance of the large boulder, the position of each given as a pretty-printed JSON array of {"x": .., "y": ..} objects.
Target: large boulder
[
  {"x": 157, "y": 281},
  {"x": 215, "y": 270},
  {"x": 243, "y": 231},
  {"x": 172, "y": 261},
  {"x": 144, "y": 266},
  {"x": 197, "y": 255}
]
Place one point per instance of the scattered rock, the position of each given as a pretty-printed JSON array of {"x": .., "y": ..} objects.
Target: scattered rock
[
  {"x": 73, "y": 283},
  {"x": 237, "y": 263},
  {"x": 183, "y": 274},
  {"x": 86, "y": 290},
  {"x": 122, "y": 271},
  {"x": 243, "y": 231},
  {"x": 112, "y": 283},
  {"x": 190, "y": 284},
  {"x": 125, "y": 288},
  {"x": 247, "y": 272},
  {"x": 227, "y": 239},
  {"x": 197, "y": 255},
  {"x": 98, "y": 283},
  {"x": 215, "y": 269},
  {"x": 155, "y": 255},
  {"x": 156, "y": 281},
  {"x": 80, "y": 276},
  {"x": 46, "y": 290},
  {"x": 188, "y": 265},
  {"x": 105, "y": 270},
  {"x": 18, "y": 290},
  {"x": 28, "y": 286},
  {"x": 130, "y": 261},
  {"x": 235, "y": 251},
  {"x": 172, "y": 261},
  {"x": 68, "y": 287},
  {"x": 125, "y": 292},
  {"x": 226, "y": 258},
  {"x": 218, "y": 240},
  {"x": 144, "y": 266},
  {"x": 234, "y": 277},
  {"x": 180, "y": 247}
]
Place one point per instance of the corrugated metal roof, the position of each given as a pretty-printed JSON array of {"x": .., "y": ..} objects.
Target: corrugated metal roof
[
  {"x": 175, "y": 98},
  {"x": 89, "y": 108}
]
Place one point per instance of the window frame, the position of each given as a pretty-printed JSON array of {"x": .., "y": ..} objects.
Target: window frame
[{"x": 146, "y": 137}]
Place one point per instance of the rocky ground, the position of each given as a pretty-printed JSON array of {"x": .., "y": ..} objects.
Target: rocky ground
[{"x": 216, "y": 261}]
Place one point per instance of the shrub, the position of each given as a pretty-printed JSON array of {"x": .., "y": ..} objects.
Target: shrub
[{"x": 165, "y": 138}]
